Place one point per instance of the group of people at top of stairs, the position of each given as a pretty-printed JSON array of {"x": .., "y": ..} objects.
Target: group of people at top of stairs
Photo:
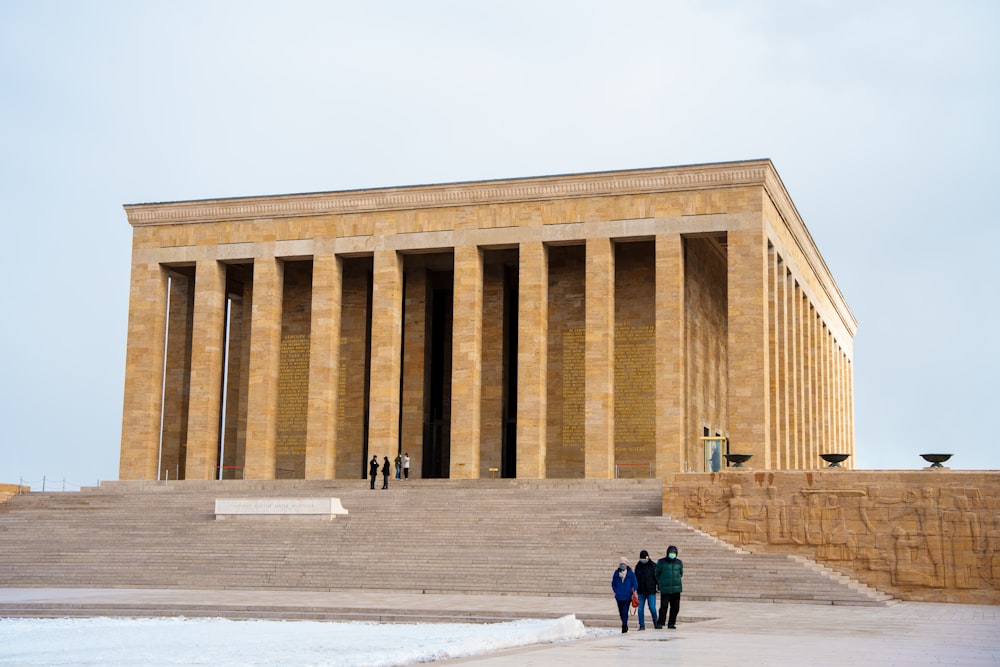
[
  {"x": 638, "y": 588},
  {"x": 402, "y": 465}
]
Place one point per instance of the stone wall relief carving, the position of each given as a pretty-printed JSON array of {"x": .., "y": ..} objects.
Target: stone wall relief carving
[{"x": 934, "y": 537}]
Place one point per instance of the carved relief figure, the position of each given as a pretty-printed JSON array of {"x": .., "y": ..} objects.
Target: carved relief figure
[
  {"x": 962, "y": 543},
  {"x": 703, "y": 500},
  {"x": 777, "y": 518},
  {"x": 838, "y": 542},
  {"x": 873, "y": 553},
  {"x": 797, "y": 520},
  {"x": 814, "y": 522},
  {"x": 925, "y": 509},
  {"x": 904, "y": 569},
  {"x": 741, "y": 522},
  {"x": 991, "y": 559},
  {"x": 870, "y": 503}
]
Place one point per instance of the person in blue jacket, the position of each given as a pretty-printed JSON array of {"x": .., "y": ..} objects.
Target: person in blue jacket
[{"x": 623, "y": 583}]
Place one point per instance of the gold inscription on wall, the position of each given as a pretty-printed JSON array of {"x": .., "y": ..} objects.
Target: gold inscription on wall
[
  {"x": 635, "y": 385},
  {"x": 342, "y": 383},
  {"x": 293, "y": 400},
  {"x": 573, "y": 377}
]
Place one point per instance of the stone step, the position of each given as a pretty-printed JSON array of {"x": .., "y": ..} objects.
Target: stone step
[{"x": 130, "y": 534}]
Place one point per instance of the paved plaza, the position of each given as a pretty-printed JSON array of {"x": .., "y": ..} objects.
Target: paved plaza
[{"x": 708, "y": 633}]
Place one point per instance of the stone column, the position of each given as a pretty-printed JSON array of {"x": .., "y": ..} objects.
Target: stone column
[
  {"x": 845, "y": 407},
  {"x": 749, "y": 374},
  {"x": 466, "y": 363},
  {"x": 324, "y": 367},
  {"x": 799, "y": 406},
  {"x": 414, "y": 333},
  {"x": 147, "y": 312},
  {"x": 774, "y": 348},
  {"x": 821, "y": 442},
  {"x": 466, "y": 369},
  {"x": 265, "y": 364},
  {"x": 820, "y": 387},
  {"x": 850, "y": 406},
  {"x": 795, "y": 373},
  {"x": 817, "y": 390},
  {"x": 532, "y": 359},
  {"x": 599, "y": 381},
  {"x": 809, "y": 372},
  {"x": 207, "y": 343},
  {"x": 828, "y": 383},
  {"x": 838, "y": 397},
  {"x": 386, "y": 357},
  {"x": 671, "y": 380},
  {"x": 784, "y": 377}
]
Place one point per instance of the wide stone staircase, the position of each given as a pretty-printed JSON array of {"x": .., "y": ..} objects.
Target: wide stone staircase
[{"x": 508, "y": 537}]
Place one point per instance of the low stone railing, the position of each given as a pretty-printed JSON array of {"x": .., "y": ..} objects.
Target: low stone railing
[{"x": 930, "y": 535}]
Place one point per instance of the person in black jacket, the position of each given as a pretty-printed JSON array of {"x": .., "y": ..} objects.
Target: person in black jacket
[
  {"x": 646, "y": 576},
  {"x": 669, "y": 571},
  {"x": 373, "y": 469},
  {"x": 385, "y": 473}
]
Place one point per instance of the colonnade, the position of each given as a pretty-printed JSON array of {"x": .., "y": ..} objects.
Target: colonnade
[
  {"x": 788, "y": 382},
  {"x": 811, "y": 381}
]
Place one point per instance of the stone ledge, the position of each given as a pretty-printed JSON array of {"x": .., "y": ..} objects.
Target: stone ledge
[{"x": 244, "y": 508}]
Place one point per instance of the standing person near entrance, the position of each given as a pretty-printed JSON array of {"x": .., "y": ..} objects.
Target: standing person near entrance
[
  {"x": 623, "y": 584},
  {"x": 399, "y": 464},
  {"x": 406, "y": 465},
  {"x": 645, "y": 576},
  {"x": 373, "y": 469},
  {"x": 669, "y": 571},
  {"x": 385, "y": 473}
]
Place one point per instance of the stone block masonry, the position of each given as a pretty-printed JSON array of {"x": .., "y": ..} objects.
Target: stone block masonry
[
  {"x": 578, "y": 326},
  {"x": 931, "y": 535}
]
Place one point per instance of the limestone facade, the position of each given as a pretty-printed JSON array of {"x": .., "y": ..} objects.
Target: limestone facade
[
  {"x": 589, "y": 325},
  {"x": 8, "y": 491},
  {"x": 931, "y": 535}
]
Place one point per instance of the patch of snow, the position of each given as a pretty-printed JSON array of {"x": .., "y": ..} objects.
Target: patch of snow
[{"x": 145, "y": 642}]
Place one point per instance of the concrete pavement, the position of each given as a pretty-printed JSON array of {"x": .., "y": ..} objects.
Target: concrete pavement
[{"x": 708, "y": 633}]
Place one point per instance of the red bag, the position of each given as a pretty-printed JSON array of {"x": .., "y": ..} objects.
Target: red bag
[{"x": 635, "y": 599}]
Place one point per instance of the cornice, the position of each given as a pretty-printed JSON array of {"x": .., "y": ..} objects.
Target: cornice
[
  {"x": 642, "y": 181},
  {"x": 476, "y": 193}
]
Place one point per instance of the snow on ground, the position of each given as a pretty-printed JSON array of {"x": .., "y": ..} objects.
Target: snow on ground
[{"x": 142, "y": 642}]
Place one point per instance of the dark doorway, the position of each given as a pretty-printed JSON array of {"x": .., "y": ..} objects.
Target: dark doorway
[
  {"x": 508, "y": 452},
  {"x": 437, "y": 415}
]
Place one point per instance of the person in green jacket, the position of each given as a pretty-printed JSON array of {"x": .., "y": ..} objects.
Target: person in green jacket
[{"x": 668, "y": 573}]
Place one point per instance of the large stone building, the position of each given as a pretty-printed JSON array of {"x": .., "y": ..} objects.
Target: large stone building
[{"x": 565, "y": 326}]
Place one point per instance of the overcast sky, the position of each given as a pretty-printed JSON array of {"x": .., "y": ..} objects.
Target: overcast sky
[{"x": 881, "y": 117}]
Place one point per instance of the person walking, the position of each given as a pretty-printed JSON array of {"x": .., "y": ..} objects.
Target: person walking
[
  {"x": 406, "y": 465},
  {"x": 645, "y": 576},
  {"x": 669, "y": 571},
  {"x": 623, "y": 584},
  {"x": 373, "y": 469},
  {"x": 385, "y": 473}
]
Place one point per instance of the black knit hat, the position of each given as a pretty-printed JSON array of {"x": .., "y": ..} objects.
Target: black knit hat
[
  {"x": 671, "y": 548},
  {"x": 643, "y": 554}
]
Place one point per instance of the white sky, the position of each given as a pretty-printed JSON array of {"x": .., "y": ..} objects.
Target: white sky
[{"x": 881, "y": 117}]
